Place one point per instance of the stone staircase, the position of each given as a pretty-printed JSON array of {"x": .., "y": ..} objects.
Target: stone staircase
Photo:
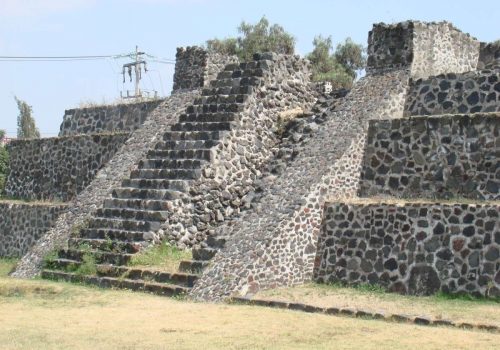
[{"x": 128, "y": 220}]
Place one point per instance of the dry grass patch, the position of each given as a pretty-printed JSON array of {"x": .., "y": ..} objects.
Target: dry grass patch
[
  {"x": 324, "y": 295},
  {"x": 69, "y": 316}
]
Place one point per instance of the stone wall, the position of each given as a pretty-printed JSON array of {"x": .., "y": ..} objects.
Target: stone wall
[
  {"x": 471, "y": 92},
  {"x": 414, "y": 248},
  {"x": 489, "y": 55},
  {"x": 425, "y": 48},
  {"x": 58, "y": 168},
  {"x": 22, "y": 224},
  {"x": 433, "y": 157},
  {"x": 195, "y": 67},
  {"x": 109, "y": 118}
]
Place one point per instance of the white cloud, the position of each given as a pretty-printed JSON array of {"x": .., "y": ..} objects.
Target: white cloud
[{"x": 35, "y": 8}]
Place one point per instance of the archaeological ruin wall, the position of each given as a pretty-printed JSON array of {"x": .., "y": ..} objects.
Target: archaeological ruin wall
[
  {"x": 470, "y": 92},
  {"x": 22, "y": 224},
  {"x": 124, "y": 117},
  {"x": 195, "y": 68},
  {"x": 412, "y": 248},
  {"x": 58, "y": 168},
  {"x": 427, "y": 49},
  {"x": 441, "y": 157}
]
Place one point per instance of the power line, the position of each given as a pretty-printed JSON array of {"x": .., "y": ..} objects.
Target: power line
[{"x": 79, "y": 58}]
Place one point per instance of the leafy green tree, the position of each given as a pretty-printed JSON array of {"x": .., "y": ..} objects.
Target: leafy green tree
[
  {"x": 4, "y": 162},
  {"x": 259, "y": 37},
  {"x": 337, "y": 67},
  {"x": 26, "y": 127}
]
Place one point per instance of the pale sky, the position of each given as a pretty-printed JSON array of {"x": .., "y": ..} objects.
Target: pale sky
[{"x": 109, "y": 27}]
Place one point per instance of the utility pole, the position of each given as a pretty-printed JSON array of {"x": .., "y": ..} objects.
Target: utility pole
[{"x": 136, "y": 65}]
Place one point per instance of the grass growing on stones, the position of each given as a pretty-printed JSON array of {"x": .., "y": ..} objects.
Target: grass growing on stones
[
  {"x": 38, "y": 314},
  {"x": 440, "y": 306},
  {"x": 162, "y": 256}
]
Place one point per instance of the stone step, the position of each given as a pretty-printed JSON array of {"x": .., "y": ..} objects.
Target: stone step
[
  {"x": 186, "y": 144},
  {"x": 132, "y": 214},
  {"x": 100, "y": 256},
  {"x": 248, "y": 79},
  {"x": 141, "y": 204},
  {"x": 137, "y": 193},
  {"x": 217, "y": 99},
  {"x": 115, "y": 235},
  {"x": 207, "y": 117},
  {"x": 121, "y": 224},
  {"x": 216, "y": 242},
  {"x": 157, "y": 184},
  {"x": 192, "y": 135},
  {"x": 192, "y": 266},
  {"x": 226, "y": 90},
  {"x": 234, "y": 107},
  {"x": 202, "y": 126},
  {"x": 132, "y": 273},
  {"x": 201, "y": 154},
  {"x": 171, "y": 174},
  {"x": 107, "y": 245},
  {"x": 161, "y": 163},
  {"x": 121, "y": 283},
  {"x": 204, "y": 253}
]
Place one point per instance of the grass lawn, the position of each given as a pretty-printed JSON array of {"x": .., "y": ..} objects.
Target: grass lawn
[
  {"x": 439, "y": 306},
  {"x": 36, "y": 314}
]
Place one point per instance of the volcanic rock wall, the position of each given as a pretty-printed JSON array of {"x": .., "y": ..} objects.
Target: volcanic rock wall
[
  {"x": 416, "y": 248},
  {"x": 105, "y": 119},
  {"x": 433, "y": 157},
  {"x": 471, "y": 92},
  {"x": 58, "y": 168},
  {"x": 22, "y": 224}
]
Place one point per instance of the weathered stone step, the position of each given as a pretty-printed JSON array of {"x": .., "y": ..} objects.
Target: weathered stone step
[
  {"x": 132, "y": 273},
  {"x": 100, "y": 256},
  {"x": 219, "y": 108},
  {"x": 136, "y": 193},
  {"x": 121, "y": 283},
  {"x": 120, "y": 235},
  {"x": 207, "y": 117},
  {"x": 192, "y": 135},
  {"x": 142, "y": 204},
  {"x": 107, "y": 245},
  {"x": 219, "y": 104},
  {"x": 161, "y": 163},
  {"x": 186, "y": 144},
  {"x": 202, "y": 126},
  {"x": 157, "y": 184},
  {"x": 215, "y": 242},
  {"x": 201, "y": 154},
  {"x": 204, "y": 253},
  {"x": 122, "y": 224},
  {"x": 192, "y": 266},
  {"x": 249, "y": 79},
  {"x": 132, "y": 214},
  {"x": 225, "y": 90},
  {"x": 172, "y": 174}
]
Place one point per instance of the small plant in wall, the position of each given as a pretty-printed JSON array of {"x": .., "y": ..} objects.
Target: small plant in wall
[{"x": 77, "y": 228}]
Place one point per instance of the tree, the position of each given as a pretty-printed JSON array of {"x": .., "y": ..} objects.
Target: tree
[
  {"x": 4, "y": 162},
  {"x": 26, "y": 127},
  {"x": 261, "y": 37},
  {"x": 337, "y": 67}
]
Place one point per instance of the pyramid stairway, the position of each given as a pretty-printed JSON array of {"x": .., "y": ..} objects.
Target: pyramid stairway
[{"x": 121, "y": 227}]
